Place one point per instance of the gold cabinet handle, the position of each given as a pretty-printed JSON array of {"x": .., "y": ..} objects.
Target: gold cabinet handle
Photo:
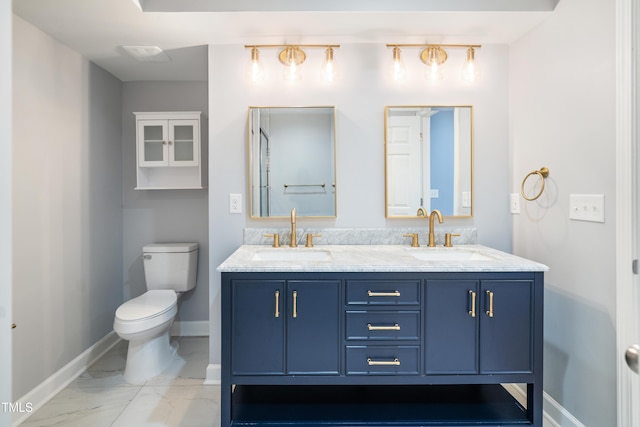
[
  {"x": 394, "y": 362},
  {"x": 383, "y": 294},
  {"x": 371, "y": 327},
  {"x": 295, "y": 304},
  {"x": 13, "y": 326},
  {"x": 490, "y": 311},
  {"x": 277, "y": 304},
  {"x": 472, "y": 295}
]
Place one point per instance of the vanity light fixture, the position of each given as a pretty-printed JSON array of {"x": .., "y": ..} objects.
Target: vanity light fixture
[
  {"x": 255, "y": 68},
  {"x": 470, "y": 69},
  {"x": 292, "y": 57},
  {"x": 398, "y": 71},
  {"x": 329, "y": 70},
  {"x": 434, "y": 57}
]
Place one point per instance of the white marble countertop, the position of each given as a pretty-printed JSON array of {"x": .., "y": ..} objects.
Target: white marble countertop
[{"x": 375, "y": 258}]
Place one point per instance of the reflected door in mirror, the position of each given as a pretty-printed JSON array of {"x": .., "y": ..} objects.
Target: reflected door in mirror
[{"x": 428, "y": 160}]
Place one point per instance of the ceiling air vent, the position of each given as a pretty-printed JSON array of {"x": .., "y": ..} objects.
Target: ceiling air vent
[{"x": 147, "y": 53}]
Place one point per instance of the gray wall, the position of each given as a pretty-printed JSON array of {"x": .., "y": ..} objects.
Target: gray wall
[
  {"x": 151, "y": 216},
  {"x": 5, "y": 212},
  {"x": 562, "y": 110},
  {"x": 67, "y": 184}
]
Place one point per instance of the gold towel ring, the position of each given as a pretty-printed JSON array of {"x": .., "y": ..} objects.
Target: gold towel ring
[{"x": 543, "y": 173}]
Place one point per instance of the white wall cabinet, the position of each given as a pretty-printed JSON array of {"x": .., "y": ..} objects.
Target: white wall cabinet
[{"x": 169, "y": 150}]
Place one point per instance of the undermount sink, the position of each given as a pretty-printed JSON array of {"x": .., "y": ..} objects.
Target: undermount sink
[
  {"x": 446, "y": 254},
  {"x": 291, "y": 255}
]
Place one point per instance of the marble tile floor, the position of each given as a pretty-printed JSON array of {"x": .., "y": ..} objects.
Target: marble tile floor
[
  {"x": 176, "y": 398},
  {"x": 101, "y": 397}
]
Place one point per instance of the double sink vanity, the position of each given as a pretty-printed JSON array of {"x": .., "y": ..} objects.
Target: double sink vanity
[
  {"x": 380, "y": 335},
  {"x": 369, "y": 328}
]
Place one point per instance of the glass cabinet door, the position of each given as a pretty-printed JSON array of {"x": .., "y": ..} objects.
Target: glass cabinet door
[
  {"x": 153, "y": 149},
  {"x": 183, "y": 145}
]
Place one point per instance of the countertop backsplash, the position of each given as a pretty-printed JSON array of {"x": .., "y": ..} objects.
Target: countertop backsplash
[{"x": 361, "y": 236}]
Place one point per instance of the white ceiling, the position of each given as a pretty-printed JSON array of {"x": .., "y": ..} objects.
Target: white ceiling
[{"x": 97, "y": 28}]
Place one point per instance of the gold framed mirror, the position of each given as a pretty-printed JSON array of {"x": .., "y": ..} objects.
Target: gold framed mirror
[
  {"x": 292, "y": 161},
  {"x": 428, "y": 160}
]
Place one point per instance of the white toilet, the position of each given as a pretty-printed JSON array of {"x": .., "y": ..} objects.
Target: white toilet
[{"x": 169, "y": 270}]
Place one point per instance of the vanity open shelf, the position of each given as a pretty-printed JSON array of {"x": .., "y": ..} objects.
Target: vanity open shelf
[
  {"x": 365, "y": 405},
  {"x": 381, "y": 348}
]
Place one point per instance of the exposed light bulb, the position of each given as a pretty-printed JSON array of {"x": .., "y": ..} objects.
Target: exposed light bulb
[
  {"x": 470, "y": 70},
  {"x": 292, "y": 72},
  {"x": 433, "y": 72},
  {"x": 292, "y": 57},
  {"x": 433, "y": 57},
  {"x": 398, "y": 71},
  {"x": 255, "y": 69},
  {"x": 329, "y": 72}
]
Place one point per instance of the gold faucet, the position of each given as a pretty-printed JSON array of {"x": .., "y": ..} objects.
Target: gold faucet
[
  {"x": 294, "y": 240},
  {"x": 432, "y": 237}
]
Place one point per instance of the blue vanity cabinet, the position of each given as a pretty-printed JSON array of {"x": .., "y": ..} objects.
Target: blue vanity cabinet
[
  {"x": 384, "y": 349},
  {"x": 506, "y": 326},
  {"x": 313, "y": 327},
  {"x": 258, "y": 327},
  {"x": 451, "y": 319},
  {"x": 470, "y": 323},
  {"x": 285, "y": 327}
]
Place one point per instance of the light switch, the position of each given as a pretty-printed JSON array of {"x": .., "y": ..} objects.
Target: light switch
[
  {"x": 514, "y": 203},
  {"x": 586, "y": 207}
]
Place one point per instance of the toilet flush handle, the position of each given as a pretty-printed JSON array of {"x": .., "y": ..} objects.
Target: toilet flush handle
[{"x": 146, "y": 256}]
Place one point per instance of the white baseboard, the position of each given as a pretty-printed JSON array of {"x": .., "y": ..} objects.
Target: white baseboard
[
  {"x": 552, "y": 412},
  {"x": 42, "y": 393},
  {"x": 190, "y": 329},
  {"x": 213, "y": 376}
]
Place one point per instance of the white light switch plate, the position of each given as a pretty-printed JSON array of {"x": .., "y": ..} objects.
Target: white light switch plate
[
  {"x": 514, "y": 203},
  {"x": 235, "y": 203},
  {"x": 586, "y": 207}
]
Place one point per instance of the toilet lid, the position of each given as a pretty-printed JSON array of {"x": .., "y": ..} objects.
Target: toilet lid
[{"x": 149, "y": 304}]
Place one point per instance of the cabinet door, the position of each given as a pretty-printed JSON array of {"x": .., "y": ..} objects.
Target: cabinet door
[
  {"x": 451, "y": 313},
  {"x": 184, "y": 142},
  {"x": 313, "y": 331},
  {"x": 153, "y": 147},
  {"x": 506, "y": 327},
  {"x": 257, "y": 327}
]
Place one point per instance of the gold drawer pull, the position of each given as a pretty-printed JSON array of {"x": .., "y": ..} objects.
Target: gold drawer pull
[
  {"x": 277, "y": 304},
  {"x": 295, "y": 304},
  {"x": 472, "y": 312},
  {"x": 371, "y": 327},
  {"x": 490, "y": 311},
  {"x": 394, "y": 362},
  {"x": 383, "y": 294}
]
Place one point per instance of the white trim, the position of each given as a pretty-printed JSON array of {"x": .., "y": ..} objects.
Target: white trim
[
  {"x": 190, "y": 329},
  {"x": 213, "y": 376},
  {"x": 626, "y": 231},
  {"x": 553, "y": 414},
  {"x": 42, "y": 393}
]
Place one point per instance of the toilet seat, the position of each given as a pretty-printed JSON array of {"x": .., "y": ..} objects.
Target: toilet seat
[{"x": 151, "y": 309}]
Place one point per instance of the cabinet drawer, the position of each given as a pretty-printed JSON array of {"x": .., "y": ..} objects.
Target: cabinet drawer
[
  {"x": 383, "y": 360},
  {"x": 383, "y": 325},
  {"x": 383, "y": 292}
]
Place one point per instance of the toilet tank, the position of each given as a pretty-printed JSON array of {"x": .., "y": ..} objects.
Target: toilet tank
[{"x": 170, "y": 266}]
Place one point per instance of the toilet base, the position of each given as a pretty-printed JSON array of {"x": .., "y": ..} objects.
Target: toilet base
[{"x": 147, "y": 358}]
